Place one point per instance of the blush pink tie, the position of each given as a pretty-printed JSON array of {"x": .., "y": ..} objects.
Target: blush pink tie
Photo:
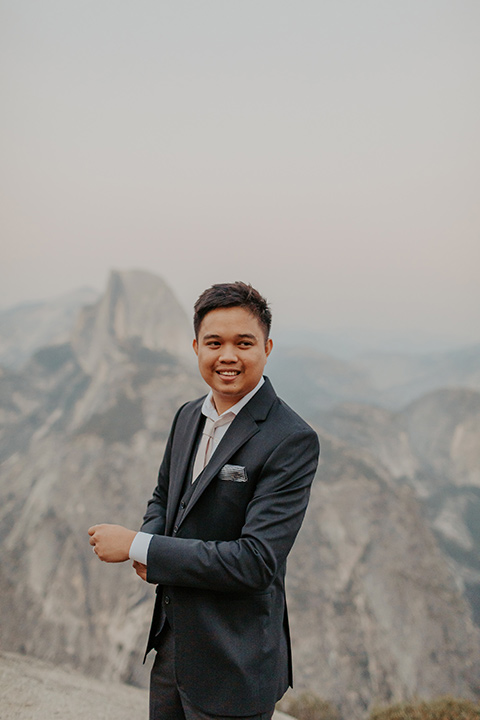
[{"x": 205, "y": 448}]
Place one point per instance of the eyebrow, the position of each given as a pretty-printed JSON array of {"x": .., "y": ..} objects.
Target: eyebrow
[{"x": 211, "y": 336}]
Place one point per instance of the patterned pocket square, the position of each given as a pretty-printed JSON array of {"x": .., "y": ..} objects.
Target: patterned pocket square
[{"x": 234, "y": 473}]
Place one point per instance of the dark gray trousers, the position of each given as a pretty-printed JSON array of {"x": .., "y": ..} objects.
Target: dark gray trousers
[{"x": 167, "y": 702}]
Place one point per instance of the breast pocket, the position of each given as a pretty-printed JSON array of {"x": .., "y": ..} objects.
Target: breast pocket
[{"x": 233, "y": 473}]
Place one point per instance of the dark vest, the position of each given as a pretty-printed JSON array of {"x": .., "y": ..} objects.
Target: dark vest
[{"x": 187, "y": 493}]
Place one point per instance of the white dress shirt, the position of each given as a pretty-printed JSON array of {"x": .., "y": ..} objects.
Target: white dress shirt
[{"x": 141, "y": 541}]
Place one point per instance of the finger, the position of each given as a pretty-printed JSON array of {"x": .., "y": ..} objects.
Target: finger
[{"x": 91, "y": 530}]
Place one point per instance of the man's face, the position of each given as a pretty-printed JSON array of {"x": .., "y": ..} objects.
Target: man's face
[{"x": 232, "y": 353}]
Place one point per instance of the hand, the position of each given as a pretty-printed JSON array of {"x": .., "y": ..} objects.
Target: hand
[
  {"x": 140, "y": 569},
  {"x": 111, "y": 542}
]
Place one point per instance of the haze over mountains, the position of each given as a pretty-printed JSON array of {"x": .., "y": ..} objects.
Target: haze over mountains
[
  {"x": 25, "y": 328},
  {"x": 384, "y": 580}
]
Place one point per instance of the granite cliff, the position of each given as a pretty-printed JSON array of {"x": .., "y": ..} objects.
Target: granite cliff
[{"x": 431, "y": 446}]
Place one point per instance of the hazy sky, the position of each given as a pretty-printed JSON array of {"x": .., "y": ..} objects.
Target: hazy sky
[{"x": 328, "y": 152}]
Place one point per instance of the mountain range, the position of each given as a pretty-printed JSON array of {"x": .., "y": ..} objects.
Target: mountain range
[{"x": 384, "y": 580}]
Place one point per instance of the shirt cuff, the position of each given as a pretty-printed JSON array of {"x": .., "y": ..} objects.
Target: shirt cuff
[{"x": 139, "y": 547}]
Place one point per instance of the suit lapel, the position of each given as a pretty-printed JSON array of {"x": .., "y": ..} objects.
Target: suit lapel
[
  {"x": 240, "y": 431},
  {"x": 186, "y": 434}
]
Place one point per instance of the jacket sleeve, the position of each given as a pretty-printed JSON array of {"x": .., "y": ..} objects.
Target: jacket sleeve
[{"x": 273, "y": 518}]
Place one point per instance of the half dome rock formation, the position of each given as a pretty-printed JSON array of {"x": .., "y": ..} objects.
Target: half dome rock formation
[{"x": 138, "y": 309}]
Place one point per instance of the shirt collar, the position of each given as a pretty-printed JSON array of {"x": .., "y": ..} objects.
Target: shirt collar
[{"x": 209, "y": 410}]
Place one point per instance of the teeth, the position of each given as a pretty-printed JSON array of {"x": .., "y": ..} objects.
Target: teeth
[{"x": 228, "y": 372}]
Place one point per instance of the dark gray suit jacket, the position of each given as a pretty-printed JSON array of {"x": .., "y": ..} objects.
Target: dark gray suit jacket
[{"x": 219, "y": 559}]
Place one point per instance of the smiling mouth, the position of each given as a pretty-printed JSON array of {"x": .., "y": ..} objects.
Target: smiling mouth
[{"x": 228, "y": 373}]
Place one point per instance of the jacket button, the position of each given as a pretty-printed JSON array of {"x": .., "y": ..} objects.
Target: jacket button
[
  {"x": 183, "y": 504},
  {"x": 175, "y": 529},
  {"x": 166, "y": 600}
]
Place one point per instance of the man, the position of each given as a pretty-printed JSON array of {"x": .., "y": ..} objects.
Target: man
[{"x": 231, "y": 495}]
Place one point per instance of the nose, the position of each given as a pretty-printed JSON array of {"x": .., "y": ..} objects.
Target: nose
[{"x": 228, "y": 354}]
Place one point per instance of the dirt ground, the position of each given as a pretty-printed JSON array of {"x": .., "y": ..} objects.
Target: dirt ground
[{"x": 31, "y": 689}]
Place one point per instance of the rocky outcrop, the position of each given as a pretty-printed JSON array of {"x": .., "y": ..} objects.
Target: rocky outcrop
[
  {"x": 443, "y": 429},
  {"x": 433, "y": 446},
  {"x": 376, "y": 613}
]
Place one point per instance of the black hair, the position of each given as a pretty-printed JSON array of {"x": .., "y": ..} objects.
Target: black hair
[{"x": 237, "y": 294}]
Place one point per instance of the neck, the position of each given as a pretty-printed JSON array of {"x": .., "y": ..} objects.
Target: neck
[{"x": 221, "y": 405}]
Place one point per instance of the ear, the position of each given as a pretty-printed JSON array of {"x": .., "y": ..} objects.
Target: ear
[
  {"x": 195, "y": 346},
  {"x": 268, "y": 346}
]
